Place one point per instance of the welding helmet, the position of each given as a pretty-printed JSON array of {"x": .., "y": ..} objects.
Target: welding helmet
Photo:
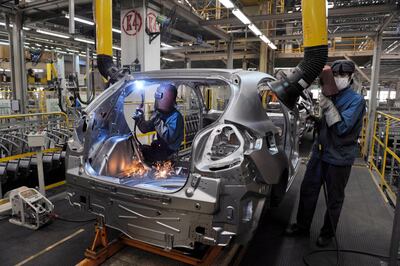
[{"x": 165, "y": 98}]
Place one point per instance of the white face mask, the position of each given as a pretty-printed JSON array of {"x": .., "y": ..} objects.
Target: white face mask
[{"x": 342, "y": 82}]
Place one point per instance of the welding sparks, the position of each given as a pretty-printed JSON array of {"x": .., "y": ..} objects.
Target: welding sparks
[
  {"x": 159, "y": 171},
  {"x": 136, "y": 168},
  {"x": 163, "y": 170}
]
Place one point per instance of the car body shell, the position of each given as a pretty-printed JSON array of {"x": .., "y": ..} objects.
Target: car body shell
[{"x": 221, "y": 198}]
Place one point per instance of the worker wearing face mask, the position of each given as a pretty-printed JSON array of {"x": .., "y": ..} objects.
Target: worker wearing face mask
[{"x": 333, "y": 152}]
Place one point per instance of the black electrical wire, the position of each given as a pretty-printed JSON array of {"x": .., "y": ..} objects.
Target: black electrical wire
[
  {"x": 331, "y": 220},
  {"x": 5, "y": 217},
  {"x": 337, "y": 249},
  {"x": 77, "y": 93},
  {"x": 55, "y": 216},
  {"x": 60, "y": 100},
  {"x": 353, "y": 251}
]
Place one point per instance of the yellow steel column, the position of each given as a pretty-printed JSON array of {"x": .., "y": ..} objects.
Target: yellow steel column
[
  {"x": 103, "y": 18},
  {"x": 315, "y": 31}
]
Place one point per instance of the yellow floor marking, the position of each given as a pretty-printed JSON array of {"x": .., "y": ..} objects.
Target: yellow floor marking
[
  {"x": 50, "y": 247},
  {"x": 55, "y": 185}
]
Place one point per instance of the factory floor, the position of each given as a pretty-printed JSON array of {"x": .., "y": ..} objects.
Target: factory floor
[{"x": 365, "y": 225}]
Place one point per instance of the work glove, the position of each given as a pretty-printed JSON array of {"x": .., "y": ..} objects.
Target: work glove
[
  {"x": 332, "y": 115},
  {"x": 138, "y": 115},
  {"x": 159, "y": 125}
]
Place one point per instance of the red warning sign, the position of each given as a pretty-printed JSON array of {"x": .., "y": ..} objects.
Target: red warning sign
[
  {"x": 152, "y": 24},
  {"x": 132, "y": 23}
]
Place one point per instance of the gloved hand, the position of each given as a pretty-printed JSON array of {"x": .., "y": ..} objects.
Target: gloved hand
[
  {"x": 138, "y": 115},
  {"x": 332, "y": 115}
]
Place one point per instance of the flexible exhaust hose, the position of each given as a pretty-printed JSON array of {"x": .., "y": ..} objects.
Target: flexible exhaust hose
[
  {"x": 107, "y": 67},
  {"x": 315, "y": 36}
]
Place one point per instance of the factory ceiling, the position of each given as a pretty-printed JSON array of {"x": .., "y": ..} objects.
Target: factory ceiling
[{"x": 200, "y": 30}]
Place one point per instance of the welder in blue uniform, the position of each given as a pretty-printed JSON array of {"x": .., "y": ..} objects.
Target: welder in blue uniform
[
  {"x": 333, "y": 154},
  {"x": 167, "y": 121}
]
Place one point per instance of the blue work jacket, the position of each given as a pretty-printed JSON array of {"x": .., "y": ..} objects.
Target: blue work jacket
[
  {"x": 169, "y": 128},
  {"x": 337, "y": 144}
]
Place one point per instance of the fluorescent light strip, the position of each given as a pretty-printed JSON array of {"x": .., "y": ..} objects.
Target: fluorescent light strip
[
  {"x": 163, "y": 44},
  {"x": 81, "y": 20},
  {"x": 89, "y": 22},
  {"x": 267, "y": 41},
  {"x": 227, "y": 3},
  {"x": 11, "y": 25},
  {"x": 167, "y": 59},
  {"x": 4, "y": 43},
  {"x": 84, "y": 40},
  {"x": 255, "y": 30},
  {"x": 116, "y": 48},
  {"x": 73, "y": 51},
  {"x": 53, "y": 34},
  {"x": 241, "y": 16}
]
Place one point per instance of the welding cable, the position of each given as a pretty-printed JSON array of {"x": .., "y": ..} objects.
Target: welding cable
[
  {"x": 331, "y": 219},
  {"x": 77, "y": 93},
  {"x": 60, "y": 100},
  {"x": 56, "y": 216},
  {"x": 352, "y": 251},
  {"x": 337, "y": 249},
  {"x": 5, "y": 217}
]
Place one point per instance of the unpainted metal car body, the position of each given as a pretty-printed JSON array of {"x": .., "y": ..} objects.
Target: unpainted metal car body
[{"x": 239, "y": 160}]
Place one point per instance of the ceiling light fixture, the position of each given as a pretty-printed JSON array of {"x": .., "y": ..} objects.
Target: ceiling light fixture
[
  {"x": 267, "y": 41},
  {"x": 227, "y": 3},
  {"x": 116, "y": 30},
  {"x": 72, "y": 51},
  {"x": 255, "y": 30},
  {"x": 4, "y": 43},
  {"x": 241, "y": 16},
  {"x": 81, "y": 20},
  {"x": 116, "y": 48},
  {"x": 167, "y": 59},
  {"x": 60, "y": 35},
  {"x": 11, "y": 25},
  {"x": 163, "y": 44},
  {"x": 84, "y": 40}
]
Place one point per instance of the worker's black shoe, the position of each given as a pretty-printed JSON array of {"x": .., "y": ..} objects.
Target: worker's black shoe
[
  {"x": 296, "y": 230},
  {"x": 324, "y": 241}
]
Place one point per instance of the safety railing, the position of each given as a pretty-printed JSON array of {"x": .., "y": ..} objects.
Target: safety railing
[
  {"x": 385, "y": 152},
  {"x": 363, "y": 144}
]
